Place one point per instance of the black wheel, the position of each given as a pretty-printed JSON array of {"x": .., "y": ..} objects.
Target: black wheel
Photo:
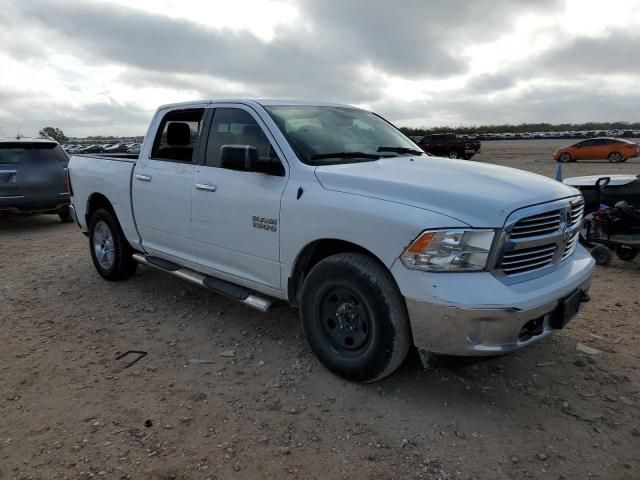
[
  {"x": 565, "y": 157},
  {"x": 453, "y": 154},
  {"x": 110, "y": 251},
  {"x": 602, "y": 255},
  {"x": 467, "y": 157},
  {"x": 616, "y": 157},
  {"x": 354, "y": 317},
  {"x": 626, "y": 253},
  {"x": 65, "y": 215}
]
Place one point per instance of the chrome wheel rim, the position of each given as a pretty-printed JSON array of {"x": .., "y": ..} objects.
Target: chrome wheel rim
[
  {"x": 453, "y": 154},
  {"x": 103, "y": 245}
]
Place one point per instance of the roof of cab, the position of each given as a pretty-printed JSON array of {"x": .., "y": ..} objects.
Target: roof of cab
[
  {"x": 258, "y": 101},
  {"x": 27, "y": 140}
]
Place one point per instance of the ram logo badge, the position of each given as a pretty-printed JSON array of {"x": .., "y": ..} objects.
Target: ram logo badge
[{"x": 264, "y": 223}]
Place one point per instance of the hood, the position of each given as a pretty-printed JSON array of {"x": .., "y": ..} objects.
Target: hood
[{"x": 479, "y": 194}]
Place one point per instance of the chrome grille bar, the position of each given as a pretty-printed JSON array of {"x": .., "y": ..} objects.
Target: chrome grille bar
[{"x": 539, "y": 237}]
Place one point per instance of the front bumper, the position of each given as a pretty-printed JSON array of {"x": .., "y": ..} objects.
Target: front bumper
[{"x": 484, "y": 316}]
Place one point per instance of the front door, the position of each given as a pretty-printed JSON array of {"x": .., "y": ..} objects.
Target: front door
[
  {"x": 161, "y": 190},
  {"x": 236, "y": 213}
]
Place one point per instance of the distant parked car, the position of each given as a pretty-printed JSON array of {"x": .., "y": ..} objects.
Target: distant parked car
[
  {"x": 135, "y": 148},
  {"x": 33, "y": 177},
  {"x": 92, "y": 149},
  {"x": 117, "y": 148},
  {"x": 614, "y": 149},
  {"x": 449, "y": 145}
]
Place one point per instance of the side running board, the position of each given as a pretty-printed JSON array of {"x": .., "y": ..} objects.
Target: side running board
[{"x": 228, "y": 289}]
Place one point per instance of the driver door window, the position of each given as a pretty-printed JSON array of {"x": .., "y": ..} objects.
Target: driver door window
[{"x": 235, "y": 127}]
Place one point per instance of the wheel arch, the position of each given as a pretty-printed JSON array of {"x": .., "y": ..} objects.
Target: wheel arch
[
  {"x": 95, "y": 202},
  {"x": 314, "y": 252}
]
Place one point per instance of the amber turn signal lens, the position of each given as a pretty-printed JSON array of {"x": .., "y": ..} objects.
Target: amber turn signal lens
[{"x": 421, "y": 243}]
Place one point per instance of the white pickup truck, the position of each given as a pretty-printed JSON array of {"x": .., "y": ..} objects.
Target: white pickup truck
[{"x": 332, "y": 209}]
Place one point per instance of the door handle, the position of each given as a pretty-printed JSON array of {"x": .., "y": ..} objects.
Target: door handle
[
  {"x": 143, "y": 178},
  {"x": 207, "y": 187}
]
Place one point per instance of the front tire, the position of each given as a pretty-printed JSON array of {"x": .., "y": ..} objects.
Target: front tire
[
  {"x": 354, "y": 317},
  {"x": 616, "y": 157},
  {"x": 602, "y": 255},
  {"x": 110, "y": 251}
]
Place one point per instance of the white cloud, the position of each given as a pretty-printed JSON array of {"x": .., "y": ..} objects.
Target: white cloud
[{"x": 102, "y": 67}]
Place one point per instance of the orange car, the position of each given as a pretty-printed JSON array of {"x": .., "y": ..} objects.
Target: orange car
[{"x": 613, "y": 149}]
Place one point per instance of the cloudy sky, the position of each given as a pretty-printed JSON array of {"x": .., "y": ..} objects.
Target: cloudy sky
[{"x": 102, "y": 67}]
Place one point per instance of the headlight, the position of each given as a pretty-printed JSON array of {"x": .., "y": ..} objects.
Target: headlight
[{"x": 449, "y": 250}]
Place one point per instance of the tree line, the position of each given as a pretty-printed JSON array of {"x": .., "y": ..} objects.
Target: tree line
[{"x": 523, "y": 128}]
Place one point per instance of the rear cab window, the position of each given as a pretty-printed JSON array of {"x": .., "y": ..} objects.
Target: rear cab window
[
  {"x": 15, "y": 153},
  {"x": 178, "y": 135}
]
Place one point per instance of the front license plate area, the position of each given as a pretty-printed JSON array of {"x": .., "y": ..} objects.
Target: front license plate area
[{"x": 567, "y": 309}]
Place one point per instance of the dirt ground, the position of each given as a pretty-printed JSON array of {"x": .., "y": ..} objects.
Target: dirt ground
[{"x": 227, "y": 392}]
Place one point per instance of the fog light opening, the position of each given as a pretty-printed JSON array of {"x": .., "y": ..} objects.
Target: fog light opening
[{"x": 531, "y": 329}]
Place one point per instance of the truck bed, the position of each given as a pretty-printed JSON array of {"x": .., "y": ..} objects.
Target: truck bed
[{"x": 108, "y": 175}]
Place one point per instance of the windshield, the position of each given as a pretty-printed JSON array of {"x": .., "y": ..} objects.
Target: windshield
[
  {"x": 14, "y": 153},
  {"x": 331, "y": 135}
]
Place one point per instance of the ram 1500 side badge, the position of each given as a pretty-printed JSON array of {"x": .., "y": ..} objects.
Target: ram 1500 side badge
[{"x": 264, "y": 223}]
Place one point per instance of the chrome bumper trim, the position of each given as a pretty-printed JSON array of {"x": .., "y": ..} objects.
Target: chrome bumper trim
[{"x": 452, "y": 330}]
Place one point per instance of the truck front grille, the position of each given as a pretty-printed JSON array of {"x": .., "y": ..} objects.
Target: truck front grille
[
  {"x": 541, "y": 236},
  {"x": 525, "y": 259},
  {"x": 541, "y": 224}
]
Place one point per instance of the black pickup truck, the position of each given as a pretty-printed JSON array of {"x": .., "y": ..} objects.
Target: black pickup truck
[
  {"x": 449, "y": 145},
  {"x": 33, "y": 177}
]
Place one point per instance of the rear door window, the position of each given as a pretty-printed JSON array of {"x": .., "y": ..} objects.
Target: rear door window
[
  {"x": 177, "y": 135},
  {"x": 14, "y": 153}
]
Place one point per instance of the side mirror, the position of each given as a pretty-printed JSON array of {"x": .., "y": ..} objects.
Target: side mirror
[{"x": 238, "y": 157}]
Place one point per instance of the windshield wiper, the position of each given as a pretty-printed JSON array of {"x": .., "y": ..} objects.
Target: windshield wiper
[
  {"x": 345, "y": 155},
  {"x": 412, "y": 151}
]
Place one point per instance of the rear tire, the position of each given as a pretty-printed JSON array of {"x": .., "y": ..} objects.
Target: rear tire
[
  {"x": 354, "y": 317},
  {"x": 453, "y": 154},
  {"x": 626, "y": 253},
  {"x": 65, "y": 215},
  {"x": 602, "y": 255},
  {"x": 110, "y": 251},
  {"x": 616, "y": 157}
]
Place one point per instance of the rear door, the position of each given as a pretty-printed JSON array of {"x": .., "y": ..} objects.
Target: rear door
[
  {"x": 236, "y": 213},
  {"x": 584, "y": 150},
  {"x": 161, "y": 186}
]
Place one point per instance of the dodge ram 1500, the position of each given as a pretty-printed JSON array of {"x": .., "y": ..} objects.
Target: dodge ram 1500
[{"x": 332, "y": 209}]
